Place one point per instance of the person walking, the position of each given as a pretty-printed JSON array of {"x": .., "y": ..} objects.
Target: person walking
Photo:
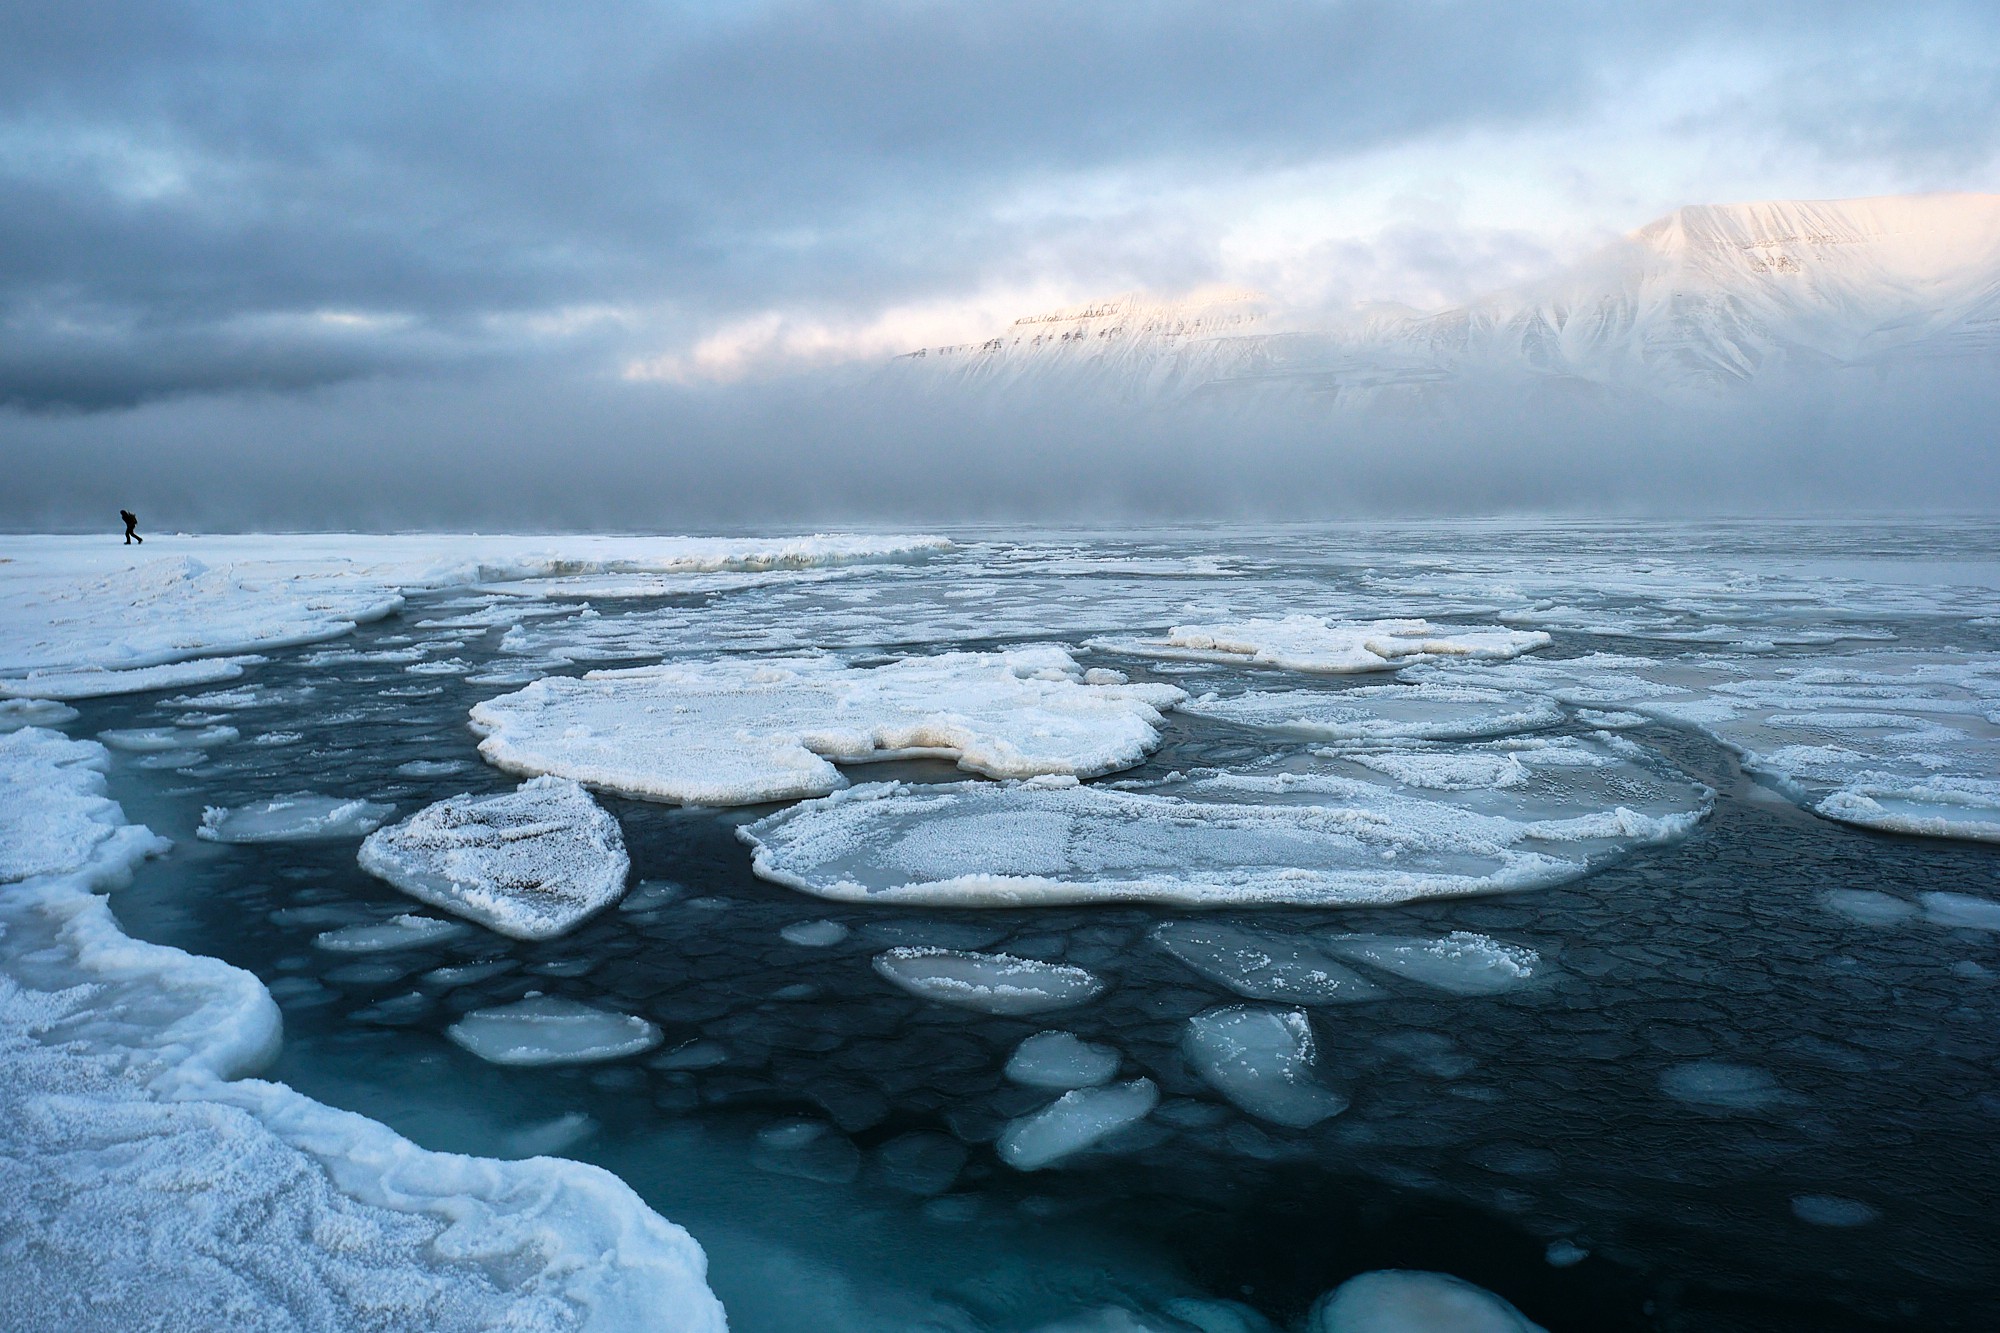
[{"x": 131, "y": 527}]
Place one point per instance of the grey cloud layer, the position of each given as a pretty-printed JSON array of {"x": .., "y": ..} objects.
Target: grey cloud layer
[{"x": 187, "y": 190}]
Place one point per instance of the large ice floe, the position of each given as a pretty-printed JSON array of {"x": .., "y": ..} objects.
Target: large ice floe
[
  {"x": 145, "y": 1181},
  {"x": 740, "y": 731},
  {"x": 532, "y": 863},
  {"x": 1310, "y": 643},
  {"x": 79, "y": 617},
  {"x": 1334, "y": 834}
]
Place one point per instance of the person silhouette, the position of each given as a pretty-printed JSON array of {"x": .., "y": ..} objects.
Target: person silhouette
[{"x": 131, "y": 527}]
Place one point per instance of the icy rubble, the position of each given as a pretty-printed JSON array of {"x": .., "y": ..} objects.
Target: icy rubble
[
  {"x": 1265, "y": 1061},
  {"x": 993, "y": 983},
  {"x": 532, "y": 863},
  {"x": 1310, "y": 643},
  {"x": 547, "y": 1030},
  {"x": 740, "y": 731},
  {"x": 144, "y": 1179},
  {"x": 1311, "y": 838},
  {"x": 1074, "y": 1122},
  {"x": 301, "y": 817}
]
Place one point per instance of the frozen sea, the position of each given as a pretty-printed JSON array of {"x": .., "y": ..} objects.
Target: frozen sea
[{"x": 1623, "y": 938}]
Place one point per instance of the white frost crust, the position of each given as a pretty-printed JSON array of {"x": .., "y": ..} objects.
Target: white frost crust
[
  {"x": 994, "y": 983},
  {"x": 301, "y": 817},
  {"x": 145, "y": 1181},
  {"x": 1310, "y": 643},
  {"x": 1307, "y": 839},
  {"x": 1396, "y": 1300},
  {"x": 740, "y": 731},
  {"x": 533, "y": 863},
  {"x": 72, "y": 604}
]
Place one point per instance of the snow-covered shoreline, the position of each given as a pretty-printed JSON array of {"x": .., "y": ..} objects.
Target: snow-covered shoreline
[{"x": 126, "y": 1100}]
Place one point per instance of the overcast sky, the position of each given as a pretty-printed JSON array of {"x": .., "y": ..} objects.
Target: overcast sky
[{"x": 219, "y": 215}]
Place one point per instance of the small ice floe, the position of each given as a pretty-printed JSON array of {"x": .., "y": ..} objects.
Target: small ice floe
[
  {"x": 1564, "y": 1254},
  {"x": 1309, "y": 643},
  {"x": 1869, "y": 907},
  {"x": 408, "y": 931},
  {"x": 1446, "y": 770},
  {"x": 1396, "y": 1300},
  {"x": 1961, "y": 910},
  {"x": 148, "y": 740},
  {"x": 737, "y": 731},
  {"x": 814, "y": 934},
  {"x": 18, "y": 713},
  {"x": 807, "y": 1150},
  {"x": 1073, "y": 1122},
  {"x": 466, "y": 974},
  {"x": 550, "y": 1138},
  {"x": 431, "y": 768},
  {"x": 1830, "y": 1210},
  {"x": 1718, "y": 1085},
  {"x": 920, "y": 1162},
  {"x": 650, "y": 896},
  {"x": 95, "y": 683},
  {"x": 301, "y": 817},
  {"x": 1061, "y": 1060},
  {"x": 1265, "y": 1061},
  {"x": 1264, "y": 965},
  {"x": 546, "y": 1030},
  {"x": 532, "y": 863},
  {"x": 1463, "y": 963},
  {"x": 1428, "y": 711},
  {"x": 994, "y": 983}
]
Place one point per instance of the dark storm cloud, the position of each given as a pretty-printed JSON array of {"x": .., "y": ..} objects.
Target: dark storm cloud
[{"x": 201, "y": 197}]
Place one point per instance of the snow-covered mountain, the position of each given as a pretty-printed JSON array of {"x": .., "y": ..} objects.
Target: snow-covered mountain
[{"x": 1708, "y": 297}]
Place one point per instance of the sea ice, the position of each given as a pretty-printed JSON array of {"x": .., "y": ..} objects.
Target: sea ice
[
  {"x": 1961, "y": 909},
  {"x": 920, "y": 1162},
  {"x": 994, "y": 983},
  {"x": 1396, "y": 1300},
  {"x": 1830, "y": 1210},
  {"x": 1264, "y": 965},
  {"x": 1462, "y": 962},
  {"x": 1429, "y": 711},
  {"x": 1308, "y": 643},
  {"x": 737, "y": 731},
  {"x": 1061, "y": 1060},
  {"x": 1264, "y": 1061},
  {"x": 1869, "y": 907},
  {"x": 1316, "y": 838},
  {"x": 398, "y": 932},
  {"x": 301, "y": 817},
  {"x": 532, "y": 863},
  {"x": 814, "y": 934},
  {"x": 148, "y": 740},
  {"x": 547, "y": 1030},
  {"x": 1073, "y": 1122}
]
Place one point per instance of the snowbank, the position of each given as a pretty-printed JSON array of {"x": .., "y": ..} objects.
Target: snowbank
[
  {"x": 737, "y": 731},
  {"x": 531, "y": 863},
  {"x": 144, "y": 1180}
]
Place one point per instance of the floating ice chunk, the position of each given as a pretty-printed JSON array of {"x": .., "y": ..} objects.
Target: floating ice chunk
[
  {"x": 1074, "y": 1122},
  {"x": 1720, "y": 1085},
  {"x": 693, "y": 1055},
  {"x": 532, "y": 863},
  {"x": 147, "y": 740},
  {"x": 1869, "y": 907},
  {"x": 921, "y": 1163},
  {"x": 738, "y": 731},
  {"x": 808, "y": 1150},
  {"x": 18, "y": 713},
  {"x": 1961, "y": 909},
  {"x": 1308, "y": 643},
  {"x": 995, "y": 983},
  {"x": 98, "y": 682},
  {"x": 1447, "y": 770},
  {"x": 547, "y": 1030},
  {"x": 301, "y": 817},
  {"x": 430, "y": 768},
  {"x": 1564, "y": 1254},
  {"x": 1264, "y": 1061},
  {"x": 1264, "y": 965},
  {"x": 1610, "y": 721},
  {"x": 1398, "y": 1300},
  {"x": 466, "y": 974},
  {"x": 1061, "y": 1060},
  {"x": 1462, "y": 962},
  {"x": 398, "y": 932},
  {"x": 1428, "y": 711},
  {"x": 1317, "y": 838},
  {"x": 1830, "y": 1210},
  {"x": 814, "y": 934},
  {"x": 1946, "y": 808}
]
